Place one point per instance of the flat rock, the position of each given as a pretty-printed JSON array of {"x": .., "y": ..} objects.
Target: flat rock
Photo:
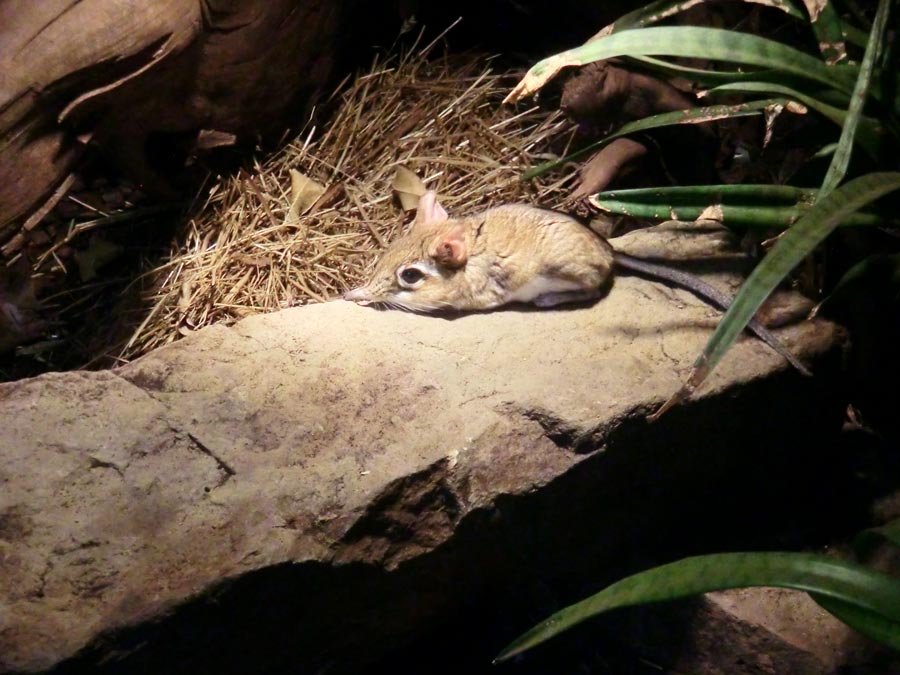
[{"x": 307, "y": 489}]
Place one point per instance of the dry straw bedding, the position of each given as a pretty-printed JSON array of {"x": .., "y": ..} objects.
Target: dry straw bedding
[{"x": 247, "y": 252}]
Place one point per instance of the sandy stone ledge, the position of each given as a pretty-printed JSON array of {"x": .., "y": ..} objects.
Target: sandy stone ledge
[{"x": 310, "y": 488}]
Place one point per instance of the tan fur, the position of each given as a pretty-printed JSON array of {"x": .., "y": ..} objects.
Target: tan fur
[{"x": 509, "y": 253}]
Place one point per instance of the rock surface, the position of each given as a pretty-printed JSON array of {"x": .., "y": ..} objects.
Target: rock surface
[{"x": 305, "y": 490}]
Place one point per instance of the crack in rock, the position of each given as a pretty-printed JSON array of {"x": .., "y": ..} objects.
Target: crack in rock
[
  {"x": 97, "y": 463},
  {"x": 412, "y": 514},
  {"x": 563, "y": 433},
  {"x": 221, "y": 463}
]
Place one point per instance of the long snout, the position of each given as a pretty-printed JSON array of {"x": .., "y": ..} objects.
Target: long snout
[{"x": 359, "y": 295}]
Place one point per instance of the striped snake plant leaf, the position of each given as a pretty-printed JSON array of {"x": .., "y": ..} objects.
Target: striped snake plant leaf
[
  {"x": 834, "y": 207},
  {"x": 738, "y": 194},
  {"x": 826, "y": 24},
  {"x": 715, "y": 78},
  {"x": 870, "y": 624},
  {"x": 854, "y": 35},
  {"x": 838, "y": 168},
  {"x": 691, "y": 42},
  {"x": 869, "y": 132},
  {"x": 863, "y": 589},
  {"x": 690, "y": 116},
  {"x": 663, "y": 9},
  {"x": 753, "y": 215},
  {"x": 792, "y": 247},
  {"x": 876, "y": 270},
  {"x": 738, "y": 204},
  {"x": 868, "y": 540}
]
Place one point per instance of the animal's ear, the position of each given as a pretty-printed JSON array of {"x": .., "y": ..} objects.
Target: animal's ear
[
  {"x": 429, "y": 211},
  {"x": 449, "y": 248}
]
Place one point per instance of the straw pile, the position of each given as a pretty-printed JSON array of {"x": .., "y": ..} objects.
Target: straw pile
[{"x": 248, "y": 252}]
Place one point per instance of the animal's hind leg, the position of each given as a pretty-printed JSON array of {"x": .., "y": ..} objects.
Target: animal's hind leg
[{"x": 554, "y": 299}]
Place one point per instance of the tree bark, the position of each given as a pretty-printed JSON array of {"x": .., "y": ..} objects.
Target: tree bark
[{"x": 132, "y": 76}]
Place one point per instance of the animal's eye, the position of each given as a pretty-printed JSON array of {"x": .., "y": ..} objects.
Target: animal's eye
[{"x": 410, "y": 276}]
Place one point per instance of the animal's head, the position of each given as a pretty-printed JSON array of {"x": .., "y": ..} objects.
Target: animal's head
[{"x": 416, "y": 271}]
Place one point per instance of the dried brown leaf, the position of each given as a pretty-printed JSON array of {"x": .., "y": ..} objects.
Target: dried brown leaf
[
  {"x": 408, "y": 187},
  {"x": 304, "y": 193}
]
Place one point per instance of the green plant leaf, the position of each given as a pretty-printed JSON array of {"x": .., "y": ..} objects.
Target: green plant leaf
[
  {"x": 701, "y": 76},
  {"x": 663, "y": 9},
  {"x": 868, "y": 131},
  {"x": 826, "y": 25},
  {"x": 870, "y": 624},
  {"x": 867, "y": 541},
  {"x": 841, "y": 159},
  {"x": 752, "y": 205},
  {"x": 846, "y": 582},
  {"x": 743, "y": 194},
  {"x": 690, "y": 42},
  {"x": 794, "y": 245},
  {"x": 854, "y": 35},
  {"x": 834, "y": 207},
  {"x": 690, "y": 116},
  {"x": 825, "y": 151},
  {"x": 875, "y": 271},
  {"x": 752, "y": 215},
  {"x": 716, "y": 78}
]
